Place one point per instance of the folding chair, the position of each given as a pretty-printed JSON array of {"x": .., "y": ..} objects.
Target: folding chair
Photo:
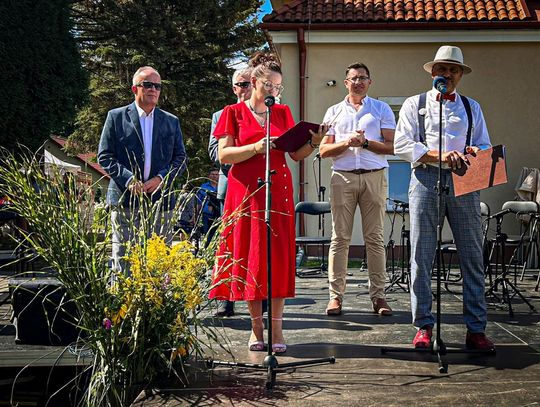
[{"x": 314, "y": 209}]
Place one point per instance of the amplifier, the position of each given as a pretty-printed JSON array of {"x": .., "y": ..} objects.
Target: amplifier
[{"x": 42, "y": 312}]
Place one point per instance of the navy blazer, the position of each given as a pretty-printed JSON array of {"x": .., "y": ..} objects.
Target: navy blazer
[{"x": 121, "y": 152}]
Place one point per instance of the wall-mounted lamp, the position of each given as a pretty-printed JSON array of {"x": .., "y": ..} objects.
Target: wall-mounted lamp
[{"x": 331, "y": 83}]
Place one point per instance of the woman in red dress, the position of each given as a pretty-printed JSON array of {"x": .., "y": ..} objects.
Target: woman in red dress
[{"x": 241, "y": 271}]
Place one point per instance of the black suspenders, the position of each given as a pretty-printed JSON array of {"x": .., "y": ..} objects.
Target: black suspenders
[
  {"x": 467, "y": 106},
  {"x": 422, "y": 118}
]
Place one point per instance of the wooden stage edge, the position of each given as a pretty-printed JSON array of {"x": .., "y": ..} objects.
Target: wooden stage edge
[{"x": 41, "y": 357}]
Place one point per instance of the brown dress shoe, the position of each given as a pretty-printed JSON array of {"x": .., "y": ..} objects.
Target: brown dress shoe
[
  {"x": 381, "y": 307},
  {"x": 333, "y": 307}
]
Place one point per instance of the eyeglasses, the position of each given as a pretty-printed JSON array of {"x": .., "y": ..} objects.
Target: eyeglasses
[
  {"x": 442, "y": 69},
  {"x": 244, "y": 85},
  {"x": 358, "y": 79},
  {"x": 150, "y": 85},
  {"x": 269, "y": 86}
]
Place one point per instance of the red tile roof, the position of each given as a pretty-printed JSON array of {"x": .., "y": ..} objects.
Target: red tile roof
[
  {"x": 400, "y": 11},
  {"x": 88, "y": 159}
]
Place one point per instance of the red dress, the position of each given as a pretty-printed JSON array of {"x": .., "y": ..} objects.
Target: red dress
[{"x": 240, "y": 272}]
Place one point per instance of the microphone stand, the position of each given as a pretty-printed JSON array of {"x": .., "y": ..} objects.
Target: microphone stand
[
  {"x": 270, "y": 362},
  {"x": 438, "y": 347},
  {"x": 403, "y": 276},
  {"x": 320, "y": 198},
  {"x": 320, "y": 192}
]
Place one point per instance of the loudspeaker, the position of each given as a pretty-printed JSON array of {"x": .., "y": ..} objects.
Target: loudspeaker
[{"x": 42, "y": 312}]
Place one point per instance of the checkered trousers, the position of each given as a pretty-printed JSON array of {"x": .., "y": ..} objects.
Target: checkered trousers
[{"x": 463, "y": 214}]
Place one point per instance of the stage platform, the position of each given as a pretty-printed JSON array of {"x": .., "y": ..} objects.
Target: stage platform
[{"x": 362, "y": 375}]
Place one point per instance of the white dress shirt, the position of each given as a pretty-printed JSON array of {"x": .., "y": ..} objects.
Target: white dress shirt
[
  {"x": 344, "y": 119},
  {"x": 455, "y": 122},
  {"x": 147, "y": 127}
]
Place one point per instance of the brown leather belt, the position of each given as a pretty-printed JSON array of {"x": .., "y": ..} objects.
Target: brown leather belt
[{"x": 361, "y": 171}]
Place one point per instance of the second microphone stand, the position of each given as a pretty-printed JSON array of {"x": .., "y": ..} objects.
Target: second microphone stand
[
  {"x": 320, "y": 198},
  {"x": 400, "y": 278},
  {"x": 270, "y": 363}
]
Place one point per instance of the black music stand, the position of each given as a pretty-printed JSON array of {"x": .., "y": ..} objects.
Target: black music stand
[
  {"x": 499, "y": 250},
  {"x": 270, "y": 363}
]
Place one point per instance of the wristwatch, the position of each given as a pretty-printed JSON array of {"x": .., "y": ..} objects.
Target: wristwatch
[{"x": 365, "y": 144}]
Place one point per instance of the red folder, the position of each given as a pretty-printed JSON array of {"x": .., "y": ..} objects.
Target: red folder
[
  {"x": 485, "y": 169},
  {"x": 296, "y": 136}
]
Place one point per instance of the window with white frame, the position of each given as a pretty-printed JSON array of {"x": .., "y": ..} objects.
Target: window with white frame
[
  {"x": 399, "y": 175},
  {"x": 399, "y": 171}
]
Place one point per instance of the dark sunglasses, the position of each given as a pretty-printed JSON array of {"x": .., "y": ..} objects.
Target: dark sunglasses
[
  {"x": 149, "y": 85},
  {"x": 243, "y": 84}
]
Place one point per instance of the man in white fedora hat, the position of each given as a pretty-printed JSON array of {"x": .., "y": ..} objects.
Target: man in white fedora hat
[{"x": 417, "y": 141}]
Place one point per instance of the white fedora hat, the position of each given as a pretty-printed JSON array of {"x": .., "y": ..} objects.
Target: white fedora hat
[{"x": 448, "y": 54}]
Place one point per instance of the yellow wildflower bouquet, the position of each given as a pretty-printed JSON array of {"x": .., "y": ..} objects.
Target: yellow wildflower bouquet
[
  {"x": 135, "y": 327},
  {"x": 154, "y": 309}
]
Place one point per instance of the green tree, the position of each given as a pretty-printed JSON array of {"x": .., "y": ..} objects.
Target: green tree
[
  {"x": 191, "y": 43},
  {"x": 41, "y": 64}
]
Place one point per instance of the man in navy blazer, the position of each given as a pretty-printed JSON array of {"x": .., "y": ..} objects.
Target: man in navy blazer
[{"x": 141, "y": 148}]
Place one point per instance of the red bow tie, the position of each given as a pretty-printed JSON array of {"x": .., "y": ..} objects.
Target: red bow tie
[{"x": 451, "y": 97}]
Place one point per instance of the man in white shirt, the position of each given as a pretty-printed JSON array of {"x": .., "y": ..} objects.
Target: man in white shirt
[
  {"x": 420, "y": 145},
  {"x": 361, "y": 134}
]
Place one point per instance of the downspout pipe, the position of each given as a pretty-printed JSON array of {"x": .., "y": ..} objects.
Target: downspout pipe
[{"x": 300, "y": 37}]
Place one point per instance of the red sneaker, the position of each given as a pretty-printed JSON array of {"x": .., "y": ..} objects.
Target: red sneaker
[
  {"x": 422, "y": 340},
  {"x": 479, "y": 341}
]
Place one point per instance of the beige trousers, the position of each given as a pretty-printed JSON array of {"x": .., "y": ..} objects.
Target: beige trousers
[{"x": 347, "y": 191}]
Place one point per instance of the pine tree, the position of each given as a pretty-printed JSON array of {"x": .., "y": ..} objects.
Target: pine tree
[
  {"x": 43, "y": 80},
  {"x": 191, "y": 43}
]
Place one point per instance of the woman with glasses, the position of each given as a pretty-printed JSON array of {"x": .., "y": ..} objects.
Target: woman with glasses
[{"x": 241, "y": 269}]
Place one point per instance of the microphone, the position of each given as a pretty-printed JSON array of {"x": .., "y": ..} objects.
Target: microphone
[
  {"x": 439, "y": 83},
  {"x": 499, "y": 214},
  {"x": 401, "y": 203},
  {"x": 269, "y": 100},
  {"x": 397, "y": 202}
]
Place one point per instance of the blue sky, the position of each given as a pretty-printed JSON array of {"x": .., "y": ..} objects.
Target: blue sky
[{"x": 265, "y": 9}]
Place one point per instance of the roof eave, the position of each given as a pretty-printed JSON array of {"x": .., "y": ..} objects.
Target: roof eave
[
  {"x": 60, "y": 142},
  {"x": 405, "y": 25}
]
